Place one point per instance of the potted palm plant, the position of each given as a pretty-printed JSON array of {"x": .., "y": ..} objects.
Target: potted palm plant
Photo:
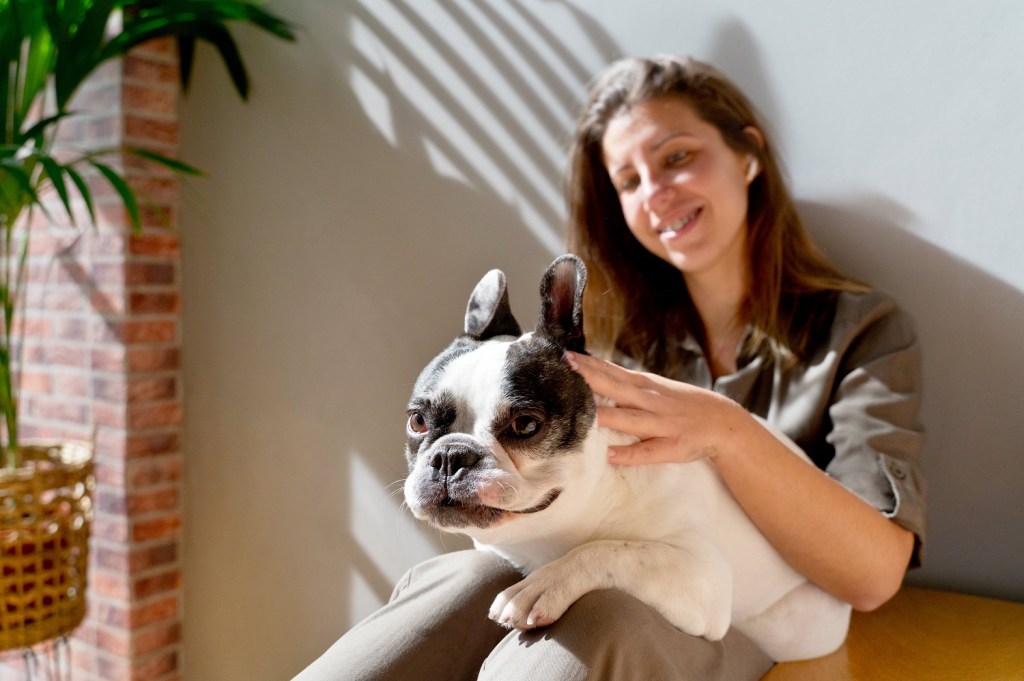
[{"x": 48, "y": 48}]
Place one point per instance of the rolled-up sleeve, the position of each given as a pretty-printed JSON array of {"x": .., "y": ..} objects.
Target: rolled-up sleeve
[{"x": 876, "y": 431}]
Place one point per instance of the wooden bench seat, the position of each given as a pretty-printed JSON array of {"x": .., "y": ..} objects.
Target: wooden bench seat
[{"x": 924, "y": 635}]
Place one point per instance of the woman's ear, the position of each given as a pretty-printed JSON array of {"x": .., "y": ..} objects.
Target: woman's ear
[{"x": 756, "y": 135}]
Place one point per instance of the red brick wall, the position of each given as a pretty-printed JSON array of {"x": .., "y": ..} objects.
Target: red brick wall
[{"x": 102, "y": 348}]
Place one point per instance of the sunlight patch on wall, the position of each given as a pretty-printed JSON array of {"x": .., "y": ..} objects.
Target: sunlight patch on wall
[
  {"x": 569, "y": 61},
  {"x": 443, "y": 165},
  {"x": 449, "y": 122},
  {"x": 519, "y": 58},
  {"x": 375, "y": 103},
  {"x": 481, "y": 90},
  {"x": 383, "y": 529},
  {"x": 495, "y": 93},
  {"x": 436, "y": 117}
]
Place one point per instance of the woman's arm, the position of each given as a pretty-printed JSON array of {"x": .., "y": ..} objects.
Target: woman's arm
[{"x": 824, "y": 531}]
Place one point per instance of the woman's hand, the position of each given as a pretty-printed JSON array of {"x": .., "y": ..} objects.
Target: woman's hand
[{"x": 674, "y": 421}]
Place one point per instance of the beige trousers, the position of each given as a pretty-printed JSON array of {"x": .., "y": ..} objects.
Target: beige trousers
[{"x": 435, "y": 628}]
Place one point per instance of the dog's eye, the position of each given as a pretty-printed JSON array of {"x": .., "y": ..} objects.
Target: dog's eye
[
  {"x": 417, "y": 424},
  {"x": 524, "y": 426}
]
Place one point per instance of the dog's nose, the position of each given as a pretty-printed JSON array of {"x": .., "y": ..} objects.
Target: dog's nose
[{"x": 452, "y": 459}]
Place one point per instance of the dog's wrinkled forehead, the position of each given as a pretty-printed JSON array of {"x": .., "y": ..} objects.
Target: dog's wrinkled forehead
[
  {"x": 458, "y": 387},
  {"x": 487, "y": 385},
  {"x": 473, "y": 383}
]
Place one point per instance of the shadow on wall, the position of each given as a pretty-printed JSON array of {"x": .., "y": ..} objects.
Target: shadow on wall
[{"x": 970, "y": 325}]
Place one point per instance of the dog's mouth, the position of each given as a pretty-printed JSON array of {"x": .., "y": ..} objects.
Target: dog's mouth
[
  {"x": 451, "y": 513},
  {"x": 544, "y": 503},
  {"x": 450, "y": 504}
]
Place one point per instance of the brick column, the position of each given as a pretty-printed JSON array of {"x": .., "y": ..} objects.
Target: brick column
[{"x": 102, "y": 348}]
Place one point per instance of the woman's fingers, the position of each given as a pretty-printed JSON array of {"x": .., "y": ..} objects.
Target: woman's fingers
[
  {"x": 622, "y": 386},
  {"x": 637, "y": 454},
  {"x": 659, "y": 412},
  {"x": 636, "y": 422},
  {"x": 641, "y": 407},
  {"x": 601, "y": 371},
  {"x": 654, "y": 450}
]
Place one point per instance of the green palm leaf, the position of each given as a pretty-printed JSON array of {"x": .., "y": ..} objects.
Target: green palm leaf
[
  {"x": 21, "y": 180},
  {"x": 78, "y": 54},
  {"x": 83, "y": 191},
  {"x": 37, "y": 68},
  {"x": 123, "y": 190},
  {"x": 39, "y": 129},
  {"x": 55, "y": 172},
  {"x": 166, "y": 161}
]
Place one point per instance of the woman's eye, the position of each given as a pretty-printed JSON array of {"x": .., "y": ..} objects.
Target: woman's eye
[
  {"x": 677, "y": 157},
  {"x": 524, "y": 426},
  {"x": 417, "y": 424},
  {"x": 627, "y": 185}
]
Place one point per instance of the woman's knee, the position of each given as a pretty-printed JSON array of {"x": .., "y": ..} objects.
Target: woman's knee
[
  {"x": 611, "y": 635},
  {"x": 610, "y": 615},
  {"x": 434, "y": 627},
  {"x": 460, "y": 572},
  {"x": 602, "y": 635}
]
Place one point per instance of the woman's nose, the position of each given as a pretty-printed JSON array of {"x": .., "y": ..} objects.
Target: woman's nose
[{"x": 656, "y": 191}]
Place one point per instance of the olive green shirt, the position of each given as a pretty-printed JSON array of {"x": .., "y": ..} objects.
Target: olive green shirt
[{"x": 853, "y": 406}]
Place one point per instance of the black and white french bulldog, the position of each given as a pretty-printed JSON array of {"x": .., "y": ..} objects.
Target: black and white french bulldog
[{"x": 503, "y": 447}]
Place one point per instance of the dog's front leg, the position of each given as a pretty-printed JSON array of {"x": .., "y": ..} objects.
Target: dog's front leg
[{"x": 691, "y": 586}]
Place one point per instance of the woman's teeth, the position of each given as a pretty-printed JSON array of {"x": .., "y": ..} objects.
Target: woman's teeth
[{"x": 677, "y": 225}]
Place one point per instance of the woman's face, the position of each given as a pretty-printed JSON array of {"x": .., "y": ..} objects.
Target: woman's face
[{"x": 683, "y": 191}]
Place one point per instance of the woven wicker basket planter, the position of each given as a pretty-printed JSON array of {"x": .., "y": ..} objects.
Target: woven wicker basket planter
[{"x": 45, "y": 513}]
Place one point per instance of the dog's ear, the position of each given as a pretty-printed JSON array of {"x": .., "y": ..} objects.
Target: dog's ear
[
  {"x": 561, "y": 294},
  {"x": 488, "y": 313}
]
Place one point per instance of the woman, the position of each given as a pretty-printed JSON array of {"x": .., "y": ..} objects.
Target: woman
[{"x": 701, "y": 274}]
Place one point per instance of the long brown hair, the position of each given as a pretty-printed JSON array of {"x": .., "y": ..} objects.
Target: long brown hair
[{"x": 635, "y": 300}]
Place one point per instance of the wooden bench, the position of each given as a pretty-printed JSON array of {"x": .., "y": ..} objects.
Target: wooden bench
[{"x": 924, "y": 635}]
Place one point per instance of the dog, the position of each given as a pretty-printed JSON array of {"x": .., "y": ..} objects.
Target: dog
[{"x": 502, "y": 446}]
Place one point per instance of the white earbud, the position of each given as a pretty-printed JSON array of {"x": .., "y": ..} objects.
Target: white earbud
[{"x": 752, "y": 169}]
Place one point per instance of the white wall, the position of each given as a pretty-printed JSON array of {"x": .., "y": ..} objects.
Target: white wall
[{"x": 402, "y": 148}]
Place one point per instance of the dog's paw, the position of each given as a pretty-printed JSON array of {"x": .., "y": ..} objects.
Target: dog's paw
[{"x": 534, "y": 602}]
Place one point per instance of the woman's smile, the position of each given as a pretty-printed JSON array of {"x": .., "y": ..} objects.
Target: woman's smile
[{"x": 675, "y": 228}]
